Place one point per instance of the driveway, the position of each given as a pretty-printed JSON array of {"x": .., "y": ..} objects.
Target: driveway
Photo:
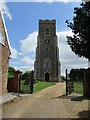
[{"x": 50, "y": 102}]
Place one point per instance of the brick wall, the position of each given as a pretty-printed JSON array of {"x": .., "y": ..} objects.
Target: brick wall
[
  {"x": 0, "y": 69},
  {"x": 4, "y": 56},
  {"x": 13, "y": 83},
  {"x": 4, "y": 62}
]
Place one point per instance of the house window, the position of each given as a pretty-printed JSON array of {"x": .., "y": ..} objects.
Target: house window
[
  {"x": 2, "y": 37},
  {"x": 47, "y": 31}
]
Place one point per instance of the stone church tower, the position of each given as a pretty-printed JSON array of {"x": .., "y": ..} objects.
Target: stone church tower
[{"x": 47, "y": 65}]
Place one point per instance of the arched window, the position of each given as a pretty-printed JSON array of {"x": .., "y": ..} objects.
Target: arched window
[
  {"x": 47, "y": 31},
  {"x": 47, "y": 64}
]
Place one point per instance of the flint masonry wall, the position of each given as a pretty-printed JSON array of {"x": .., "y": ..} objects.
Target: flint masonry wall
[{"x": 47, "y": 65}]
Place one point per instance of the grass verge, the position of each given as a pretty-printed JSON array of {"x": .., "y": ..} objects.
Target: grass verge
[
  {"x": 36, "y": 87},
  {"x": 78, "y": 87},
  {"x": 41, "y": 85}
]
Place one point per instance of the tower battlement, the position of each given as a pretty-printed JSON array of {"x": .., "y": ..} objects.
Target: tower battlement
[
  {"x": 47, "y": 21},
  {"x": 47, "y": 25}
]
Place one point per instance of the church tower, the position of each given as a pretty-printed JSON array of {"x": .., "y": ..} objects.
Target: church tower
[{"x": 47, "y": 65}]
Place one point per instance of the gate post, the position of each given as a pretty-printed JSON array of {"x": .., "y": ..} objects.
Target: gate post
[
  {"x": 66, "y": 83},
  {"x": 20, "y": 77},
  {"x": 16, "y": 81},
  {"x": 87, "y": 83},
  {"x": 31, "y": 82}
]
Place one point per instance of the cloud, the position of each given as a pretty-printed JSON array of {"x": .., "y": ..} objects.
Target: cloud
[
  {"x": 14, "y": 53},
  {"x": 5, "y": 9},
  {"x": 66, "y": 1},
  {"x": 24, "y": 64},
  {"x": 27, "y": 60},
  {"x": 28, "y": 45},
  {"x": 67, "y": 58},
  {"x": 23, "y": 68},
  {"x": 26, "y": 55}
]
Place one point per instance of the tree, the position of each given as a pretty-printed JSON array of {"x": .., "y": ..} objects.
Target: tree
[
  {"x": 79, "y": 43},
  {"x": 26, "y": 77},
  {"x": 11, "y": 71},
  {"x": 77, "y": 75}
]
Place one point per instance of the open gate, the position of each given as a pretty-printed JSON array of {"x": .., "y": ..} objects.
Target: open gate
[
  {"x": 74, "y": 86},
  {"x": 26, "y": 85},
  {"x": 69, "y": 84}
]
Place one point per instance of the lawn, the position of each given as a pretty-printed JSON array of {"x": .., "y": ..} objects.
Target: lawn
[
  {"x": 36, "y": 87},
  {"x": 24, "y": 88},
  {"x": 78, "y": 87},
  {"x": 41, "y": 85}
]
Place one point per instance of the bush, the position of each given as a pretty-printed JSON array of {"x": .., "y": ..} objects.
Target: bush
[
  {"x": 11, "y": 71},
  {"x": 77, "y": 75},
  {"x": 27, "y": 77},
  {"x": 63, "y": 78},
  {"x": 10, "y": 75}
]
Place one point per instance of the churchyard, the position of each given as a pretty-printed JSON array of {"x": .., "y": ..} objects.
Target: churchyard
[{"x": 46, "y": 92}]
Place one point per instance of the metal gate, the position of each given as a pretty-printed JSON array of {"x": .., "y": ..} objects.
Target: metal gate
[
  {"x": 69, "y": 84},
  {"x": 26, "y": 85},
  {"x": 74, "y": 86}
]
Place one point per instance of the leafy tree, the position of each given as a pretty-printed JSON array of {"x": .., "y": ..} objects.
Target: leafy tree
[
  {"x": 11, "y": 71},
  {"x": 77, "y": 75},
  {"x": 80, "y": 26},
  {"x": 26, "y": 77},
  {"x": 63, "y": 79}
]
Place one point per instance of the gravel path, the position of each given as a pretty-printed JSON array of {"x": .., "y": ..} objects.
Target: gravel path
[{"x": 48, "y": 103}]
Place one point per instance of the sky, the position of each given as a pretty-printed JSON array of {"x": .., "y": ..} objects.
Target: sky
[{"x": 22, "y": 19}]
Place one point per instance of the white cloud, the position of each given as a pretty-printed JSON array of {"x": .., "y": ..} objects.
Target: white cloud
[
  {"x": 67, "y": 58},
  {"x": 26, "y": 56},
  {"x": 5, "y": 9},
  {"x": 24, "y": 64},
  {"x": 56, "y": 1},
  {"x": 27, "y": 60},
  {"x": 28, "y": 45},
  {"x": 14, "y": 53},
  {"x": 23, "y": 68}
]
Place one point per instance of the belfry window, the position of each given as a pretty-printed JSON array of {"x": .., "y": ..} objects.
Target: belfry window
[{"x": 47, "y": 31}]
